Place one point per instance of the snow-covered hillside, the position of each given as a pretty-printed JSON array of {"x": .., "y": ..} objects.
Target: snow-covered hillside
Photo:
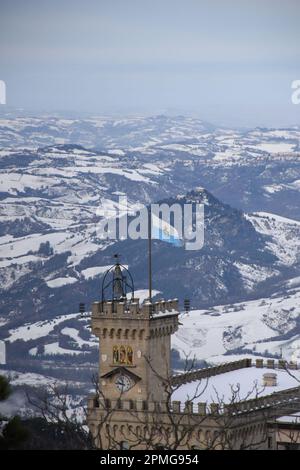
[
  {"x": 267, "y": 327},
  {"x": 56, "y": 268},
  {"x": 284, "y": 235}
]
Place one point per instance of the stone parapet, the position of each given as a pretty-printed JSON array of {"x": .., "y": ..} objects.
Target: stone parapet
[
  {"x": 280, "y": 364},
  {"x": 133, "y": 308},
  {"x": 210, "y": 371},
  {"x": 278, "y": 400},
  {"x": 199, "y": 374}
]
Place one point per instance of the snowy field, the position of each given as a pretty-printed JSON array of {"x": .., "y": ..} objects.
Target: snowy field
[
  {"x": 39, "y": 329},
  {"x": 253, "y": 325}
]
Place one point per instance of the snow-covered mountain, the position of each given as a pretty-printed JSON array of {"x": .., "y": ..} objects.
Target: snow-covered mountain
[
  {"x": 58, "y": 176},
  {"x": 54, "y": 268},
  {"x": 261, "y": 164}
]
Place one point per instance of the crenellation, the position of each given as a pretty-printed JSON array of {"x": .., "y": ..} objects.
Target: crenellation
[
  {"x": 140, "y": 405},
  {"x": 189, "y": 407},
  {"x": 176, "y": 406},
  {"x": 152, "y": 406},
  {"x": 272, "y": 364},
  {"x": 214, "y": 408},
  {"x": 146, "y": 309},
  {"x": 210, "y": 371},
  {"x": 120, "y": 308},
  {"x": 293, "y": 365},
  {"x": 133, "y": 308},
  {"x": 202, "y": 408},
  {"x": 259, "y": 363}
]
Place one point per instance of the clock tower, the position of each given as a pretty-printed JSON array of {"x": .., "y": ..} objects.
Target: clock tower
[{"x": 134, "y": 347}]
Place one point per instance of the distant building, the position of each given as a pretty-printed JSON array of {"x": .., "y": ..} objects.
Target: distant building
[{"x": 139, "y": 404}]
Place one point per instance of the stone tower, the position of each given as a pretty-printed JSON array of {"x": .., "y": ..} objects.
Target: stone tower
[{"x": 134, "y": 344}]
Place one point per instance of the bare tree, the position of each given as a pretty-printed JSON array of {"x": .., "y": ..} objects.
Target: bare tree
[{"x": 53, "y": 404}]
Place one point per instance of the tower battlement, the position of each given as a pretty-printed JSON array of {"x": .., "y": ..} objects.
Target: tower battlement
[
  {"x": 133, "y": 308},
  {"x": 131, "y": 320}
]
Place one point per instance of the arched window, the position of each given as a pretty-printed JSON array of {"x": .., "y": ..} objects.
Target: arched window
[
  {"x": 119, "y": 332},
  {"x": 129, "y": 356},
  {"x": 122, "y": 355},
  {"x": 115, "y": 355}
]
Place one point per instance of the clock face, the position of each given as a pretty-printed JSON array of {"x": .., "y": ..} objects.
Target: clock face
[{"x": 123, "y": 383}]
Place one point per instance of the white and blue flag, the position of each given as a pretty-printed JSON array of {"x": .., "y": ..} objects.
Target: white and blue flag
[{"x": 163, "y": 231}]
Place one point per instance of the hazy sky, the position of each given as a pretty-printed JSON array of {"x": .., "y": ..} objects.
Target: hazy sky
[{"x": 228, "y": 61}]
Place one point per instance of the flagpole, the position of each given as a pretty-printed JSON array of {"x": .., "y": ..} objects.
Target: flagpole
[{"x": 150, "y": 252}]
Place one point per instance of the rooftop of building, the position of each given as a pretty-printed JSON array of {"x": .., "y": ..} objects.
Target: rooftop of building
[{"x": 241, "y": 384}]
